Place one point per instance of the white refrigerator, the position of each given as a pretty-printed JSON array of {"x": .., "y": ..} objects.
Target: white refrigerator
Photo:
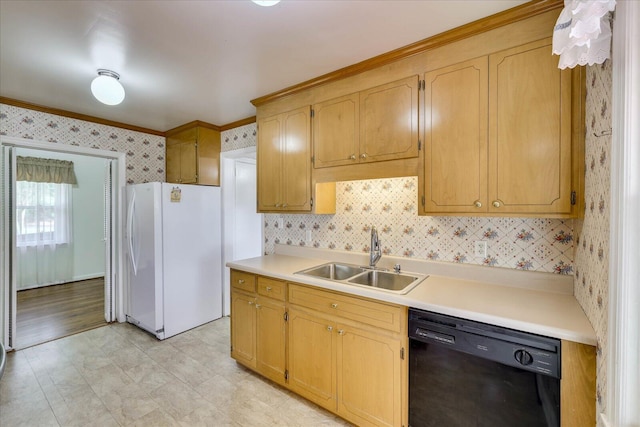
[{"x": 174, "y": 243}]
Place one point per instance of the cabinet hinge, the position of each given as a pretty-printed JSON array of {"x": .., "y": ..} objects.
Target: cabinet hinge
[
  {"x": 573, "y": 198},
  {"x": 402, "y": 353},
  {"x": 313, "y": 113},
  {"x": 311, "y": 202},
  {"x": 419, "y": 144},
  {"x": 286, "y": 316},
  {"x": 421, "y": 85},
  {"x": 286, "y": 374},
  {"x": 422, "y": 200},
  {"x": 313, "y": 160}
]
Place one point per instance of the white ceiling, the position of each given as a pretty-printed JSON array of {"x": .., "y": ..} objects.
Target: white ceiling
[{"x": 181, "y": 61}]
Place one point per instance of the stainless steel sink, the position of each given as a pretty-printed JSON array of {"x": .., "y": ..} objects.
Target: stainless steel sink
[
  {"x": 333, "y": 271},
  {"x": 384, "y": 280},
  {"x": 400, "y": 283}
]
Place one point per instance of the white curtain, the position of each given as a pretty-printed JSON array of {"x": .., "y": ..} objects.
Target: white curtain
[
  {"x": 44, "y": 253},
  {"x": 582, "y": 34}
]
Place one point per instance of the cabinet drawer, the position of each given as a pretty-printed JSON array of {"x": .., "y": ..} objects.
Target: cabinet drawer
[
  {"x": 272, "y": 288},
  {"x": 349, "y": 307},
  {"x": 243, "y": 281}
]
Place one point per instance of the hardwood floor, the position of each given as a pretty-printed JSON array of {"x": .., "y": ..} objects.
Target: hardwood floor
[{"x": 52, "y": 312}]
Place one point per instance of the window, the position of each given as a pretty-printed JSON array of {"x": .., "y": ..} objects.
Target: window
[{"x": 43, "y": 213}]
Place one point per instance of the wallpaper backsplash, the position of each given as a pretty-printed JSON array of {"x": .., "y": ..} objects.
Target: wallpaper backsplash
[
  {"x": 391, "y": 206},
  {"x": 591, "y": 278},
  {"x": 144, "y": 152}
]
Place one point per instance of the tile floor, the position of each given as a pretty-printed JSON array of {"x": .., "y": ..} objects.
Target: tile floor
[{"x": 118, "y": 375}]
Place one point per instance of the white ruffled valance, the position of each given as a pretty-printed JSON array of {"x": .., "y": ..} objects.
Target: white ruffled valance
[{"x": 582, "y": 34}]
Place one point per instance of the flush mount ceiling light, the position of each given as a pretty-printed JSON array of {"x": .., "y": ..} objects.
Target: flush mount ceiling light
[
  {"x": 106, "y": 87},
  {"x": 266, "y": 2}
]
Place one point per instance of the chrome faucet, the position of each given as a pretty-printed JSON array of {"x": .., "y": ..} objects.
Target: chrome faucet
[{"x": 374, "y": 253}]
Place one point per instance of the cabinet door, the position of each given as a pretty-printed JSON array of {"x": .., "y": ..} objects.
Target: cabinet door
[
  {"x": 296, "y": 162},
  {"x": 173, "y": 163},
  {"x": 269, "y": 163},
  {"x": 389, "y": 121},
  {"x": 529, "y": 131},
  {"x": 270, "y": 339},
  {"x": 312, "y": 357},
  {"x": 369, "y": 377},
  {"x": 189, "y": 162},
  {"x": 455, "y": 154},
  {"x": 243, "y": 328},
  {"x": 336, "y": 131}
]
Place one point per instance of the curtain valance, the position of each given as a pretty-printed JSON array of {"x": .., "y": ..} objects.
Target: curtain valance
[
  {"x": 37, "y": 169},
  {"x": 582, "y": 34}
]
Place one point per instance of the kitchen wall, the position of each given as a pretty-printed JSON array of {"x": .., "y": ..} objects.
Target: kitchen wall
[
  {"x": 591, "y": 279},
  {"x": 535, "y": 244},
  {"x": 145, "y": 152}
]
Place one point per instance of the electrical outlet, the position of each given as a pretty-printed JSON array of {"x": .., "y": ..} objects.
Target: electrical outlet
[
  {"x": 280, "y": 223},
  {"x": 480, "y": 249},
  {"x": 308, "y": 236}
]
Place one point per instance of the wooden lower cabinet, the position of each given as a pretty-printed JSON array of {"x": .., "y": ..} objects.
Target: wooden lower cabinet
[
  {"x": 270, "y": 339},
  {"x": 369, "y": 377},
  {"x": 258, "y": 332},
  {"x": 312, "y": 362},
  {"x": 243, "y": 328}
]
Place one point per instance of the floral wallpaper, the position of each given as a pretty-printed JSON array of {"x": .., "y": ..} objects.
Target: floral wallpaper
[
  {"x": 534, "y": 244},
  {"x": 144, "y": 152},
  {"x": 591, "y": 278},
  {"x": 240, "y": 137}
]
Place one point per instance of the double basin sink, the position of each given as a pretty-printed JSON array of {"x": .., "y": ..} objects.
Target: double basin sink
[{"x": 362, "y": 276}]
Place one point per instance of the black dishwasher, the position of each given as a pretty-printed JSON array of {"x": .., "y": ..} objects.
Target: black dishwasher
[{"x": 464, "y": 373}]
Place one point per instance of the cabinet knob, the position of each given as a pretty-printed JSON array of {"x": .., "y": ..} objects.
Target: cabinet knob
[
  {"x": 240, "y": 281},
  {"x": 340, "y": 331},
  {"x": 268, "y": 288},
  {"x": 363, "y": 155},
  {"x": 258, "y": 306},
  {"x": 352, "y": 157},
  {"x": 277, "y": 205},
  {"x": 334, "y": 305},
  {"x": 250, "y": 302},
  {"x": 496, "y": 204},
  {"x": 329, "y": 328},
  {"x": 477, "y": 204},
  {"x": 284, "y": 205}
]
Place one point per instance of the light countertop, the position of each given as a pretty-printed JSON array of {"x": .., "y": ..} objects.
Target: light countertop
[{"x": 539, "y": 303}]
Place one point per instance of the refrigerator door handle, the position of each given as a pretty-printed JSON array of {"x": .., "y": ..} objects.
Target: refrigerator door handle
[{"x": 130, "y": 232}]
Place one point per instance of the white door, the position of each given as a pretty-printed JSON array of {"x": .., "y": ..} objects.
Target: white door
[{"x": 248, "y": 223}]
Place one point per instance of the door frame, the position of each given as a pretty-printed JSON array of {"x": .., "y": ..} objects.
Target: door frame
[
  {"x": 227, "y": 184},
  {"x": 116, "y": 250}
]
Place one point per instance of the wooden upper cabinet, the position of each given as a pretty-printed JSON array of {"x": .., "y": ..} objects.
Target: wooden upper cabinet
[
  {"x": 389, "y": 121},
  {"x": 498, "y": 136},
  {"x": 529, "y": 131},
  {"x": 373, "y": 125},
  {"x": 336, "y": 133},
  {"x": 284, "y": 161},
  {"x": 455, "y": 154},
  {"x": 193, "y": 154}
]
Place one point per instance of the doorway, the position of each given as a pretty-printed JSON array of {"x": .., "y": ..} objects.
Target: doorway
[
  {"x": 59, "y": 273},
  {"x": 100, "y": 293},
  {"x": 241, "y": 224}
]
